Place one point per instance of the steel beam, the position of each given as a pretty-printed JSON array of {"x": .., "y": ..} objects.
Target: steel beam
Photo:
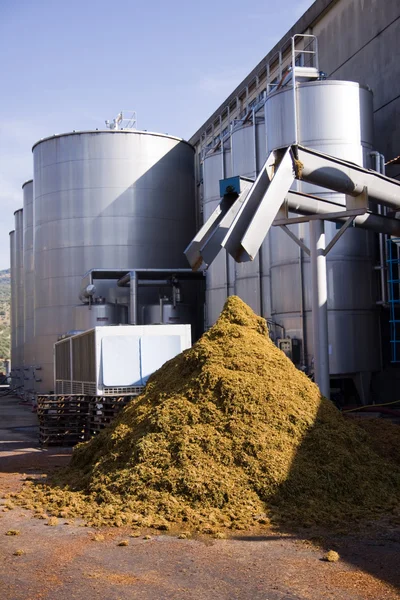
[{"x": 295, "y": 239}]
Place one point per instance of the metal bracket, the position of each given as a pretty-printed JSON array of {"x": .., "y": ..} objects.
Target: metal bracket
[
  {"x": 283, "y": 212},
  {"x": 333, "y": 241},
  {"x": 339, "y": 234},
  {"x": 321, "y": 217},
  {"x": 360, "y": 201},
  {"x": 295, "y": 239}
]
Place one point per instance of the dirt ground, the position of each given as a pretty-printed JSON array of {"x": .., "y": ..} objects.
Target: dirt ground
[{"x": 64, "y": 562}]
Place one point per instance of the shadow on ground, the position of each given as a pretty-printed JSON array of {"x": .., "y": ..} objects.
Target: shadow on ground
[
  {"x": 360, "y": 483},
  {"x": 18, "y": 458}
]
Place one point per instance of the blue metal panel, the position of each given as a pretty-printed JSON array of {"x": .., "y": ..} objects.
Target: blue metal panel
[{"x": 232, "y": 185}]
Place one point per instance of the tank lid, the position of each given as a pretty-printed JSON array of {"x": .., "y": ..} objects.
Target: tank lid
[
  {"x": 112, "y": 132},
  {"x": 17, "y": 211},
  {"x": 26, "y": 182},
  {"x": 338, "y": 82},
  {"x": 10, "y": 232}
]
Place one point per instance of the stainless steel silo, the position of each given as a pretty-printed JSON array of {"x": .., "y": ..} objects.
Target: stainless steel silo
[
  {"x": 248, "y": 155},
  {"x": 13, "y": 311},
  {"x": 221, "y": 273},
  {"x": 334, "y": 117},
  {"x": 104, "y": 199},
  {"x": 243, "y": 153},
  {"x": 19, "y": 293},
  {"x": 89, "y": 316},
  {"x": 28, "y": 349}
]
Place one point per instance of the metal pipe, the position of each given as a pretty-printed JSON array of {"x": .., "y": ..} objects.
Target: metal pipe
[
  {"x": 385, "y": 291},
  {"x": 294, "y": 91},
  {"x": 378, "y": 224},
  {"x": 382, "y": 259},
  {"x": 385, "y": 237},
  {"x": 345, "y": 177},
  {"x": 124, "y": 280},
  {"x": 383, "y": 164},
  {"x": 302, "y": 311},
  {"x": 376, "y": 156},
  {"x": 309, "y": 205},
  {"x": 133, "y": 305},
  {"x": 378, "y": 168},
  {"x": 154, "y": 282},
  {"x": 382, "y": 262},
  {"x": 319, "y": 306}
]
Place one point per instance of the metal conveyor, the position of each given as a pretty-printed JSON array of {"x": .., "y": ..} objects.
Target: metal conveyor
[{"x": 248, "y": 209}]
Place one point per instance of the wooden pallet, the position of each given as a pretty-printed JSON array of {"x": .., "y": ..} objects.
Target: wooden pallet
[
  {"x": 104, "y": 409},
  {"x": 66, "y": 420},
  {"x": 63, "y": 420}
]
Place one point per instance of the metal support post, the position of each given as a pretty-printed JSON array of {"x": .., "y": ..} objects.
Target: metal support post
[{"x": 319, "y": 306}]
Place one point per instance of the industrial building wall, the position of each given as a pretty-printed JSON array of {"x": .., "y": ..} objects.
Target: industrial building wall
[{"x": 358, "y": 41}]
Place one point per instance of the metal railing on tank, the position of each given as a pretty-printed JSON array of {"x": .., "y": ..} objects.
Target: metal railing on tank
[{"x": 298, "y": 60}]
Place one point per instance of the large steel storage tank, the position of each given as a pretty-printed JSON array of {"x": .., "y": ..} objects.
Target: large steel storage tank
[
  {"x": 248, "y": 156},
  {"x": 19, "y": 293},
  {"x": 13, "y": 311},
  {"x": 334, "y": 117},
  {"x": 97, "y": 314},
  {"x": 104, "y": 199},
  {"x": 243, "y": 153},
  {"x": 220, "y": 275},
  {"x": 29, "y": 359}
]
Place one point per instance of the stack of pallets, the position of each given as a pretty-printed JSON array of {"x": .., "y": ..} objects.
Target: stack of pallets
[
  {"x": 104, "y": 409},
  {"x": 63, "y": 419}
]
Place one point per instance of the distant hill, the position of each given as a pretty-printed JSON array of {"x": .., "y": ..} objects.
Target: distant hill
[
  {"x": 5, "y": 300},
  {"x": 5, "y": 276}
]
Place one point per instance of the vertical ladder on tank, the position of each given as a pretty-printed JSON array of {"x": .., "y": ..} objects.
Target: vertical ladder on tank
[
  {"x": 300, "y": 64},
  {"x": 393, "y": 262},
  {"x": 285, "y": 70}
]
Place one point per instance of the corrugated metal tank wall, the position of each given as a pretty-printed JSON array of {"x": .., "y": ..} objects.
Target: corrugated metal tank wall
[
  {"x": 334, "y": 117},
  {"x": 248, "y": 155},
  {"x": 244, "y": 153},
  {"x": 13, "y": 310},
  {"x": 19, "y": 294},
  {"x": 220, "y": 275},
  {"x": 106, "y": 199},
  {"x": 29, "y": 359}
]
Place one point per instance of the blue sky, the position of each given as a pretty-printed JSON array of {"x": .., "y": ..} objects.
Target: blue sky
[{"x": 71, "y": 65}]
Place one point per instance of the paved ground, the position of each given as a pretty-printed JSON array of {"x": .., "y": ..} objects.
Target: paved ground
[{"x": 65, "y": 562}]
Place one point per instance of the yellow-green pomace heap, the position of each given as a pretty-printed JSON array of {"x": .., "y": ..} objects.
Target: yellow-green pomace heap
[{"x": 227, "y": 434}]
